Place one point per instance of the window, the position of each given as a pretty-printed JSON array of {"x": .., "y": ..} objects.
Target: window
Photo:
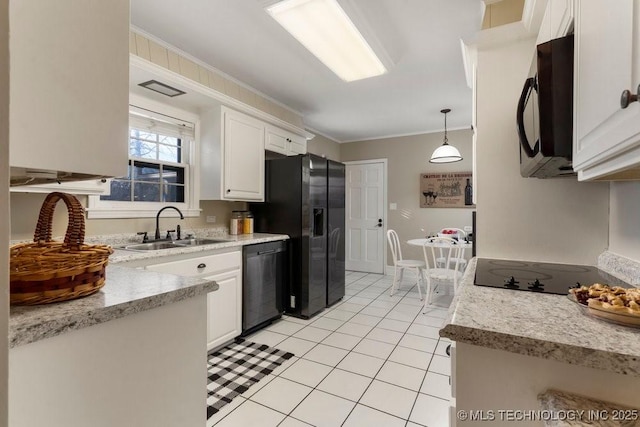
[{"x": 161, "y": 169}]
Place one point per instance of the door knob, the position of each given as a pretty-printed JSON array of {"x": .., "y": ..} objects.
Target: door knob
[{"x": 627, "y": 97}]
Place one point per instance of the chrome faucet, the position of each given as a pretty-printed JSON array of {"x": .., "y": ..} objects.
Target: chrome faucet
[{"x": 157, "y": 236}]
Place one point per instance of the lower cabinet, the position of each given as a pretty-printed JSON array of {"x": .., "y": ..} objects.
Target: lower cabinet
[{"x": 224, "y": 306}]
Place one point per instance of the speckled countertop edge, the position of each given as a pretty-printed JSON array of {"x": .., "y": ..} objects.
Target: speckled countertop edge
[
  {"x": 539, "y": 325},
  {"x": 127, "y": 290},
  {"x": 559, "y": 401},
  {"x": 620, "y": 267}
]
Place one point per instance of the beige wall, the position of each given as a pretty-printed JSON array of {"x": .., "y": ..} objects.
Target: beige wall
[
  {"x": 4, "y": 209},
  {"x": 324, "y": 147},
  {"x": 624, "y": 228},
  {"x": 554, "y": 220},
  {"x": 502, "y": 12},
  {"x": 408, "y": 157},
  {"x": 25, "y": 208}
]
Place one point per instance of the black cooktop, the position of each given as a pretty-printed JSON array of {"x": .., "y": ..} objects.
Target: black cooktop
[{"x": 538, "y": 276}]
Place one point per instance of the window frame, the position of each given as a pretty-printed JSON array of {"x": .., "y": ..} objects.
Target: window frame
[{"x": 129, "y": 209}]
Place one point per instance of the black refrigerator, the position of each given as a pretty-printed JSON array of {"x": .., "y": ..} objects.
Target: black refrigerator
[{"x": 304, "y": 198}]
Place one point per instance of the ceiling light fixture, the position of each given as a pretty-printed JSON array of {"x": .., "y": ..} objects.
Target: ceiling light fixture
[
  {"x": 162, "y": 88},
  {"x": 323, "y": 27},
  {"x": 445, "y": 153}
]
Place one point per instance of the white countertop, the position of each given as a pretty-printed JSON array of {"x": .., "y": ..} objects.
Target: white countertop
[
  {"x": 127, "y": 291},
  {"x": 540, "y": 325}
]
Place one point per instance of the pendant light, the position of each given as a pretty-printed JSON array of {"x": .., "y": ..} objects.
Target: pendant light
[{"x": 445, "y": 153}]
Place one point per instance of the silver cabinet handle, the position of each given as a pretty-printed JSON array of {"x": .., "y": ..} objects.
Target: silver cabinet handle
[{"x": 627, "y": 97}]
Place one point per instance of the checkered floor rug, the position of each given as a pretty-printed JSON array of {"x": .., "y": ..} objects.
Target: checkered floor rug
[{"x": 235, "y": 368}]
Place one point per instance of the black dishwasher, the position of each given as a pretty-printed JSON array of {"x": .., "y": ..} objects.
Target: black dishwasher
[{"x": 265, "y": 271}]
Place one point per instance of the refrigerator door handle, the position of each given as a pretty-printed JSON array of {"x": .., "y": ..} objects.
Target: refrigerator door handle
[{"x": 318, "y": 222}]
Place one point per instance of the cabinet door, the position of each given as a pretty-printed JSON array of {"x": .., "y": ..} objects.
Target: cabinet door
[
  {"x": 276, "y": 141},
  {"x": 606, "y": 137},
  {"x": 69, "y": 86},
  {"x": 243, "y": 157},
  {"x": 298, "y": 145},
  {"x": 224, "y": 309}
]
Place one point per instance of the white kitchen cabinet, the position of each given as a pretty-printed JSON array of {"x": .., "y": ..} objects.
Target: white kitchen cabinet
[
  {"x": 557, "y": 20},
  {"x": 69, "y": 89},
  {"x": 607, "y": 58},
  {"x": 284, "y": 142},
  {"x": 224, "y": 306},
  {"x": 92, "y": 186},
  {"x": 232, "y": 156}
]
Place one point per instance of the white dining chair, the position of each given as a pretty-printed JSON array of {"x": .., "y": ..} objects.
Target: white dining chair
[
  {"x": 401, "y": 264},
  {"x": 460, "y": 235},
  {"x": 441, "y": 273}
]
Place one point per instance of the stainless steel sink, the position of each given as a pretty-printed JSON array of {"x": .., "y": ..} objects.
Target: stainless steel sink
[
  {"x": 199, "y": 242},
  {"x": 155, "y": 246}
]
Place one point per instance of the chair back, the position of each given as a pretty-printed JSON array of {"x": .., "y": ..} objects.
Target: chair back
[
  {"x": 445, "y": 249},
  {"x": 394, "y": 245}
]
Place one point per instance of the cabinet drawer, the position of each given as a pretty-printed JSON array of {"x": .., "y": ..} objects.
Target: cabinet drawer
[{"x": 206, "y": 265}]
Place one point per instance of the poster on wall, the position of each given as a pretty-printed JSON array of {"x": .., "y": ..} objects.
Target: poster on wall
[{"x": 446, "y": 190}]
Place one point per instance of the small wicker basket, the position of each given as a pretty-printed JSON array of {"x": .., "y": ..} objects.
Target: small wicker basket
[{"x": 45, "y": 271}]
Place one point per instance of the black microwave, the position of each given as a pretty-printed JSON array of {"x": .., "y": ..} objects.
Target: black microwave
[{"x": 545, "y": 112}]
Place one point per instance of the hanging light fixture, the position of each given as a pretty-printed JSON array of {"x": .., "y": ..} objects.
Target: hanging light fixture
[{"x": 445, "y": 153}]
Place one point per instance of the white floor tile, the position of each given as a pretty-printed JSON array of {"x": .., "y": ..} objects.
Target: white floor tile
[
  {"x": 374, "y": 348},
  {"x": 399, "y": 315},
  {"x": 430, "y": 321},
  {"x": 354, "y": 329},
  {"x": 411, "y": 357},
  {"x": 365, "y": 319},
  {"x": 296, "y": 346},
  {"x": 292, "y": 422},
  {"x": 339, "y": 314},
  {"x": 272, "y": 339},
  {"x": 345, "y": 384},
  {"x": 312, "y": 334},
  {"x": 436, "y": 385},
  {"x": 375, "y": 311},
  {"x": 361, "y": 364},
  {"x": 440, "y": 365},
  {"x": 391, "y": 299},
  {"x": 339, "y": 340},
  {"x": 440, "y": 313},
  {"x": 285, "y": 327},
  {"x": 326, "y": 355},
  {"x": 389, "y": 398},
  {"x": 226, "y": 409},
  {"x": 360, "y": 300},
  {"x": 401, "y": 375},
  {"x": 414, "y": 300},
  {"x": 259, "y": 385},
  {"x": 430, "y": 411},
  {"x": 424, "y": 331},
  {"x": 323, "y": 410},
  {"x": 327, "y": 323},
  {"x": 371, "y": 294},
  {"x": 282, "y": 395},
  {"x": 349, "y": 306},
  {"x": 416, "y": 342},
  {"x": 363, "y": 416},
  {"x": 394, "y": 325},
  {"x": 252, "y": 414},
  {"x": 384, "y": 303},
  {"x": 296, "y": 320},
  {"x": 306, "y": 372},
  {"x": 385, "y": 335}
]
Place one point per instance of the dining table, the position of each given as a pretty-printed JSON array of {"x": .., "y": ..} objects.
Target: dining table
[{"x": 430, "y": 244}]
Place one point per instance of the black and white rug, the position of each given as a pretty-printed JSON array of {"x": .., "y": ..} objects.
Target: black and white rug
[{"x": 235, "y": 368}]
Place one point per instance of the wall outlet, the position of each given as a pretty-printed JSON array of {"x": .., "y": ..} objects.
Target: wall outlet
[
  {"x": 468, "y": 229},
  {"x": 393, "y": 206},
  {"x": 211, "y": 218}
]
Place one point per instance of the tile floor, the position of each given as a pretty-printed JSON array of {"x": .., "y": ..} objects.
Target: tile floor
[{"x": 370, "y": 360}]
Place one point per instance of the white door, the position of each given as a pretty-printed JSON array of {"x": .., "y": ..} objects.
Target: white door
[{"x": 365, "y": 216}]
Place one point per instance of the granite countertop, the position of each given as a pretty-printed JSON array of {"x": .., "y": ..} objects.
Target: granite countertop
[
  {"x": 540, "y": 325},
  {"x": 585, "y": 409},
  {"x": 127, "y": 290}
]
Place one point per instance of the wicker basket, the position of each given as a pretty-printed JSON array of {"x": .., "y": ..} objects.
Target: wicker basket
[{"x": 44, "y": 271}]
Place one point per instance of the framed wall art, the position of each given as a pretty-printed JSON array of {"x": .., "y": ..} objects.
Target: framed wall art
[{"x": 446, "y": 190}]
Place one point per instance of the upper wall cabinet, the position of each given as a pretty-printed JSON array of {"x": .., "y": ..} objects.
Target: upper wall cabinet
[
  {"x": 607, "y": 77},
  {"x": 69, "y": 87},
  {"x": 231, "y": 156},
  {"x": 284, "y": 142}
]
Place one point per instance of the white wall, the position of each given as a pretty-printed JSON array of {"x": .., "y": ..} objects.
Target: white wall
[
  {"x": 4, "y": 208},
  {"x": 624, "y": 219},
  {"x": 553, "y": 220}
]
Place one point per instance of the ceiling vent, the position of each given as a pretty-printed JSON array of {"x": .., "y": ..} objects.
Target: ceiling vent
[{"x": 162, "y": 88}]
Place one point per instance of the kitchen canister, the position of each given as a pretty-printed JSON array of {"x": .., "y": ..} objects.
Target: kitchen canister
[
  {"x": 237, "y": 224},
  {"x": 247, "y": 222}
]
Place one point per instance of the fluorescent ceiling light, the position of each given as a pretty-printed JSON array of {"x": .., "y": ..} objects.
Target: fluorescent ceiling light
[{"x": 324, "y": 28}]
